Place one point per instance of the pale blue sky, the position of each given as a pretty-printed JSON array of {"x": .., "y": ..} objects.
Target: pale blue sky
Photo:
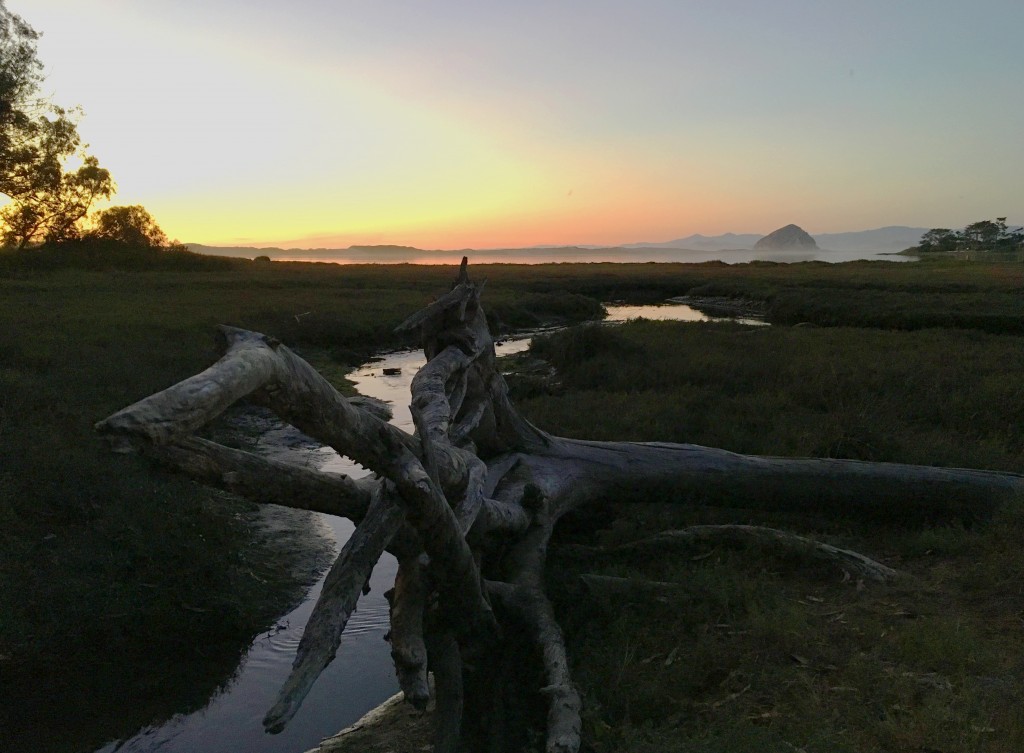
[{"x": 484, "y": 123}]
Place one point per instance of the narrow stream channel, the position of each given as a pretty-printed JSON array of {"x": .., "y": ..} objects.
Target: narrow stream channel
[{"x": 361, "y": 676}]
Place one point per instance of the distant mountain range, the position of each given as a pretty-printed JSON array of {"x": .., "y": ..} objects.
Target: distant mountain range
[
  {"x": 367, "y": 253},
  {"x": 883, "y": 239},
  {"x": 880, "y": 240}
]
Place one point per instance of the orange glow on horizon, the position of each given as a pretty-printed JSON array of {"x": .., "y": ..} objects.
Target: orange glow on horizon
[
  {"x": 486, "y": 126},
  {"x": 602, "y": 224}
]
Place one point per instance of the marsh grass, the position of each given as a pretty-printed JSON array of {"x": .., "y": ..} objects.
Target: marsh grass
[
  {"x": 783, "y": 656},
  {"x": 935, "y": 397},
  {"x": 118, "y": 581},
  {"x": 762, "y": 652}
]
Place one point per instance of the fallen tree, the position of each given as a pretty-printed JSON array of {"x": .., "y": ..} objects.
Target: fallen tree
[{"x": 469, "y": 502}]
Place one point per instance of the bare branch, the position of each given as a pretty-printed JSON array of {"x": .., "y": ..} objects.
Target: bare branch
[
  {"x": 341, "y": 591},
  {"x": 471, "y": 501},
  {"x": 564, "y": 704},
  {"x": 456, "y": 395},
  {"x": 452, "y": 306},
  {"x": 297, "y": 393},
  {"x": 408, "y": 601},
  {"x": 529, "y": 602},
  {"x": 467, "y": 424},
  {"x": 177, "y": 411},
  {"x": 446, "y": 665},
  {"x": 256, "y": 363},
  {"x": 372, "y": 405},
  {"x": 266, "y": 480},
  {"x": 429, "y": 389},
  {"x": 426, "y": 443},
  {"x": 573, "y": 472}
]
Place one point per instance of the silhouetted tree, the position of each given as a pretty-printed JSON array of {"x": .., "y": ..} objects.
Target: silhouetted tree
[
  {"x": 52, "y": 212},
  {"x": 37, "y": 140},
  {"x": 984, "y": 235},
  {"x": 20, "y": 76},
  {"x": 133, "y": 226},
  {"x": 938, "y": 239}
]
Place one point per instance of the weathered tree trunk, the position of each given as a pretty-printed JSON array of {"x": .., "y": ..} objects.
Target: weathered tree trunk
[{"x": 475, "y": 494}]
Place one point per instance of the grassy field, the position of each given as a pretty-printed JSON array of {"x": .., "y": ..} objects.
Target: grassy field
[
  {"x": 757, "y": 651},
  {"x": 932, "y": 397},
  {"x": 112, "y": 574}
]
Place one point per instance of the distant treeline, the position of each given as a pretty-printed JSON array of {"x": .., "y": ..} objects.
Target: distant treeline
[
  {"x": 102, "y": 254},
  {"x": 985, "y": 235}
]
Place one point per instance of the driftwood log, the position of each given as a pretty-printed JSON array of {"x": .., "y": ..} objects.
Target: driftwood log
[{"x": 469, "y": 502}]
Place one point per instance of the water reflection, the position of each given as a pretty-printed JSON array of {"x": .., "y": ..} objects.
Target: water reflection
[
  {"x": 677, "y": 312},
  {"x": 357, "y": 680}
]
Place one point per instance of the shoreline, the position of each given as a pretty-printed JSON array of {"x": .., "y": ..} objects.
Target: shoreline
[
  {"x": 720, "y": 305},
  {"x": 298, "y": 536}
]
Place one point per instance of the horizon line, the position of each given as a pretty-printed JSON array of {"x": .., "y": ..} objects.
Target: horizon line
[{"x": 266, "y": 246}]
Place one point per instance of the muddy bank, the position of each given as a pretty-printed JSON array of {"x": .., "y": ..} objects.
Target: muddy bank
[
  {"x": 720, "y": 305},
  {"x": 298, "y": 541}
]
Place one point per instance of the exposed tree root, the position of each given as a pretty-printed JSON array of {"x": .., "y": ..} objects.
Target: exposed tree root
[
  {"x": 476, "y": 493},
  {"x": 446, "y": 665},
  {"x": 408, "y": 600}
]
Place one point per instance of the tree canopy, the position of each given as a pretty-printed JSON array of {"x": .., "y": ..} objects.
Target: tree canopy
[
  {"x": 985, "y": 235},
  {"x": 51, "y": 210},
  {"x": 132, "y": 226},
  {"x": 20, "y": 77},
  {"x": 38, "y": 141}
]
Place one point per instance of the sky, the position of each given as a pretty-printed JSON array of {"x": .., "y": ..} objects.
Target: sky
[{"x": 483, "y": 124}]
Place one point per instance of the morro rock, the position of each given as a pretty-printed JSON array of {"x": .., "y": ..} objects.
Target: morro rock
[{"x": 785, "y": 239}]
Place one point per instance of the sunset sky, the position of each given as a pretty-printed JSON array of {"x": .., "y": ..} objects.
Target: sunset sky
[{"x": 459, "y": 123}]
